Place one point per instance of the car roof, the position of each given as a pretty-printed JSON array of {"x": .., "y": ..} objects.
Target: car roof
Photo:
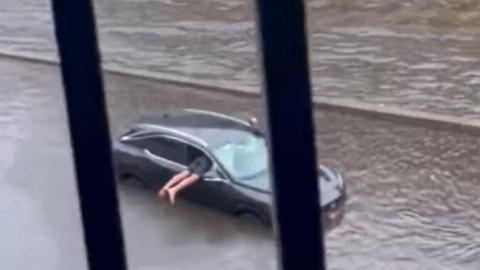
[{"x": 208, "y": 128}]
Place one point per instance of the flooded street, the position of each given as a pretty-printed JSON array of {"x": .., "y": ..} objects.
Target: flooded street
[
  {"x": 39, "y": 208},
  {"x": 416, "y": 54},
  {"x": 414, "y": 187},
  {"x": 414, "y": 202}
]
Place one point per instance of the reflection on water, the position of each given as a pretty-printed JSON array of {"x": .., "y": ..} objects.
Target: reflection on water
[
  {"x": 413, "y": 192},
  {"x": 417, "y": 54},
  {"x": 408, "y": 210}
]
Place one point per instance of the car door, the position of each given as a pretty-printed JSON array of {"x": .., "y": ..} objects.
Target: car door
[
  {"x": 213, "y": 189},
  {"x": 164, "y": 156}
]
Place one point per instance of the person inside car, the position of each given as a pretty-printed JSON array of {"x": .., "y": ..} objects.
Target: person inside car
[{"x": 197, "y": 168}]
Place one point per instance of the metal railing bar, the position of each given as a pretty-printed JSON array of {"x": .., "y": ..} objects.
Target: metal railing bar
[{"x": 88, "y": 125}]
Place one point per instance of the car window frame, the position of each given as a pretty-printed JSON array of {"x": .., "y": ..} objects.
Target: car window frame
[
  {"x": 138, "y": 134},
  {"x": 161, "y": 136},
  {"x": 216, "y": 165},
  {"x": 143, "y": 138}
]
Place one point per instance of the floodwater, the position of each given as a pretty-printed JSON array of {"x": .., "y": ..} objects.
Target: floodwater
[
  {"x": 413, "y": 204},
  {"x": 414, "y": 192},
  {"x": 419, "y": 54}
]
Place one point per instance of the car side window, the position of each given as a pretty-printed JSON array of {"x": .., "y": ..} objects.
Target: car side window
[
  {"x": 193, "y": 153},
  {"x": 167, "y": 148}
]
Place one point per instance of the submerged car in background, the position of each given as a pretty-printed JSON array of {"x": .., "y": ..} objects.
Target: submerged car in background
[{"x": 155, "y": 148}]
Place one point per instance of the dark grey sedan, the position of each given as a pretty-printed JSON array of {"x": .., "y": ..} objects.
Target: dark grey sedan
[{"x": 155, "y": 148}]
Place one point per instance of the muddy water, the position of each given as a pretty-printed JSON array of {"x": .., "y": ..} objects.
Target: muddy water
[
  {"x": 414, "y": 191},
  {"x": 414, "y": 202},
  {"x": 415, "y": 54},
  {"x": 39, "y": 208}
]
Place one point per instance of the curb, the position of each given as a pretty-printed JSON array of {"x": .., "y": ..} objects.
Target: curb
[{"x": 336, "y": 105}]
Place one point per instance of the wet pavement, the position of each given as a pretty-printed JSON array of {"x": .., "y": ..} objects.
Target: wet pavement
[
  {"x": 418, "y": 54},
  {"x": 38, "y": 206},
  {"x": 414, "y": 189}
]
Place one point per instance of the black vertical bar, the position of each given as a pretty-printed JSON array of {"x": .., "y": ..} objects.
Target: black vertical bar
[
  {"x": 289, "y": 112},
  {"x": 82, "y": 80}
]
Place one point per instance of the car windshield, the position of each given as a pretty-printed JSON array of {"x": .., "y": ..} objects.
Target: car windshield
[{"x": 243, "y": 156}]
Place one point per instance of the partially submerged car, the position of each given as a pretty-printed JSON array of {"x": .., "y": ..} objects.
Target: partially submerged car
[{"x": 157, "y": 147}]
